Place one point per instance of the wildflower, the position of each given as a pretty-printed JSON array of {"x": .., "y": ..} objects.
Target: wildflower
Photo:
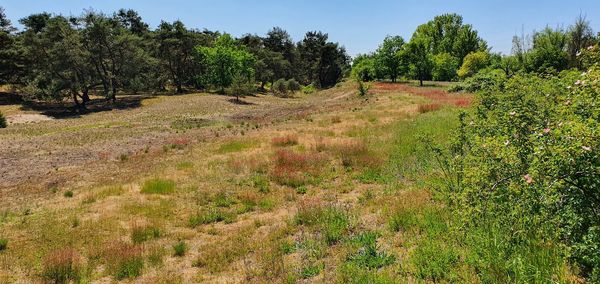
[
  {"x": 578, "y": 82},
  {"x": 512, "y": 113},
  {"x": 546, "y": 130},
  {"x": 528, "y": 179},
  {"x": 590, "y": 47},
  {"x": 506, "y": 143},
  {"x": 586, "y": 148}
]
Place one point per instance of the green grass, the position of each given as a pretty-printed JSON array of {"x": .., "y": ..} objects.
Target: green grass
[
  {"x": 235, "y": 146},
  {"x": 211, "y": 215},
  {"x": 144, "y": 233},
  {"x": 158, "y": 186},
  {"x": 180, "y": 249},
  {"x": 332, "y": 222},
  {"x": 3, "y": 244},
  {"x": 185, "y": 166}
]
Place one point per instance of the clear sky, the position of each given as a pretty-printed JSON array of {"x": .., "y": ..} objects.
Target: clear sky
[{"x": 358, "y": 25}]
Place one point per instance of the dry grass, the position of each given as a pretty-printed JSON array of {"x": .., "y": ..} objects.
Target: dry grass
[
  {"x": 62, "y": 266},
  {"x": 429, "y": 108},
  {"x": 285, "y": 141}
]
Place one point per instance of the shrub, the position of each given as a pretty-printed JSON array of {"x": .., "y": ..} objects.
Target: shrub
[
  {"x": 62, "y": 266},
  {"x": 485, "y": 80},
  {"x": 284, "y": 141},
  {"x": 240, "y": 88},
  {"x": 2, "y": 121},
  {"x": 363, "y": 88},
  {"x": 158, "y": 186},
  {"x": 292, "y": 85},
  {"x": 280, "y": 88},
  {"x": 124, "y": 260},
  {"x": 309, "y": 89},
  {"x": 528, "y": 157},
  {"x": 473, "y": 63},
  {"x": 3, "y": 244},
  {"x": 179, "y": 249}
]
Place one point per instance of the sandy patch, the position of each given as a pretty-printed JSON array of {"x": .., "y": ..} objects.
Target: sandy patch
[{"x": 27, "y": 118}]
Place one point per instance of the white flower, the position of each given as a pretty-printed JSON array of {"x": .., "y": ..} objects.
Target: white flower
[
  {"x": 506, "y": 143},
  {"x": 512, "y": 113},
  {"x": 578, "y": 82},
  {"x": 586, "y": 148}
]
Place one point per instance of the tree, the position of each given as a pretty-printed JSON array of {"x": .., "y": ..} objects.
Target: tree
[
  {"x": 388, "y": 56},
  {"x": 10, "y": 53},
  {"x": 421, "y": 63},
  {"x": 447, "y": 34},
  {"x": 549, "y": 52},
  {"x": 473, "y": 63},
  {"x": 309, "y": 50},
  {"x": 581, "y": 36},
  {"x": 279, "y": 41},
  {"x": 175, "y": 51},
  {"x": 444, "y": 67},
  {"x": 363, "y": 68},
  {"x": 225, "y": 62},
  {"x": 59, "y": 65},
  {"x": 332, "y": 63}
]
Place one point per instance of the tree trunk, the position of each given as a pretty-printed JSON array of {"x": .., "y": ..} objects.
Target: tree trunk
[
  {"x": 421, "y": 82},
  {"x": 179, "y": 88}
]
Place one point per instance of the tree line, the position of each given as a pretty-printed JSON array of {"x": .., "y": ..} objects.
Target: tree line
[
  {"x": 446, "y": 49},
  {"x": 57, "y": 57}
]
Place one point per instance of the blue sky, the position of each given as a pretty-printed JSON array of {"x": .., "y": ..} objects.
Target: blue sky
[{"x": 358, "y": 25}]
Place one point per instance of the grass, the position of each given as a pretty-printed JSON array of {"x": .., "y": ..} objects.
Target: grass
[
  {"x": 235, "y": 146},
  {"x": 180, "y": 249},
  {"x": 158, "y": 186},
  {"x": 331, "y": 221},
  {"x": 62, "y": 266},
  {"x": 3, "y": 244},
  {"x": 285, "y": 141},
  {"x": 124, "y": 261},
  {"x": 209, "y": 216},
  {"x": 143, "y": 233}
]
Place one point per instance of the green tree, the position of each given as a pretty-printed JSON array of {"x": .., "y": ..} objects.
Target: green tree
[
  {"x": 549, "y": 52},
  {"x": 332, "y": 64},
  {"x": 10, "y": 55},
  {"x": 363, "y": 68},
  {"x": 581, "y": 37},
  {"x": 225, "y": 62},
  {"x": 421, "y": 62},
  {"x": 473, "y": 63},
  {"x": 309, "y": 51},
  {"x": 389, "y": 58},
  {"x": 444, "y": 67},
  {"x": 447, "y": 34},
  {"x": 175, "y": 50}
]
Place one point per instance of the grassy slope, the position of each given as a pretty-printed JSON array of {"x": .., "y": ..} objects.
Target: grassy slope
[{"x": 361, "y": 208}]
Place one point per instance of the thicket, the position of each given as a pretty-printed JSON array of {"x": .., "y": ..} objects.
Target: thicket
[{"x": 523, "y": 175}]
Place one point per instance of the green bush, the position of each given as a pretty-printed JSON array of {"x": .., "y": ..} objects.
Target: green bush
[
  {"x": 309, "y": 89},
  {"x": 444, "y": 67},
  {"x": 280, "y": 88},
  {"x": 527, "y": 158},
  {"x": 2, "y": 121},
  {"x": 485, "y": 80},
  {"x": 292, "y": 85},
  {"x": 332, "y": 222},
  {"x": 473, "y": 63},
  {"x": 158, "y": 186}
]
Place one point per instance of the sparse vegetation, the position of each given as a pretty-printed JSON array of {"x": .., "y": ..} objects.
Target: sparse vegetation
[
  {"x": 62, "y": 266},
  {"x": 124, "y": 261},
  {"x": 180, "y": 249}
]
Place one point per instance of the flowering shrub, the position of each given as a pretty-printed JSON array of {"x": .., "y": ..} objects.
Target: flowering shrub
[{"x": 527, "y": 158}]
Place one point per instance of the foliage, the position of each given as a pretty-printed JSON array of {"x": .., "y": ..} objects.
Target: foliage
[
  {"x": 525, "y": 159},
  {"x": 225, "y": 61},
  {"x": 240, "y": 87},
  {"x": 444, "y": 67},
  {"x": 364, "y": 69},
  {"x": 3, "y": 244},
  {"x": 292, "y": 85},
  {"x": 363, "y": 88},
  {"x": 484, "y": 80},
  {"x": 473, "y": 63},
  {"x": 280, "y": 88},
  {"x": 389, "y": 56},
  {"x": 421, "y": 62}
]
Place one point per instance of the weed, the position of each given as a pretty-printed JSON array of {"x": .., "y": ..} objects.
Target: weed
[
  {"x": 124, "y": 260},
  {"x": 62, "y": 266},
  {"x": 331, "y": 221},
  {"x": 434, "y": 260},
  {"x": 211, "y": 215},
  {"x": 68, "y": 194},
  {"x": 179, "y": 249},
  {"x": 158, "y": 186},
  {"x": 222, "y": 199},
  {"x": 261, "y": 183},
  {"x": 155, "y": 255},
  {"x": 123, "y": 157},
  {"x": 3, "y": 244},
  {"x": 185, "y": 166},
  {"x": 368, "y": 254},
  {"x": 301, "y": 190},
  {"x": 140, "y": 233},
  {"x": 310, "y": 271}
]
